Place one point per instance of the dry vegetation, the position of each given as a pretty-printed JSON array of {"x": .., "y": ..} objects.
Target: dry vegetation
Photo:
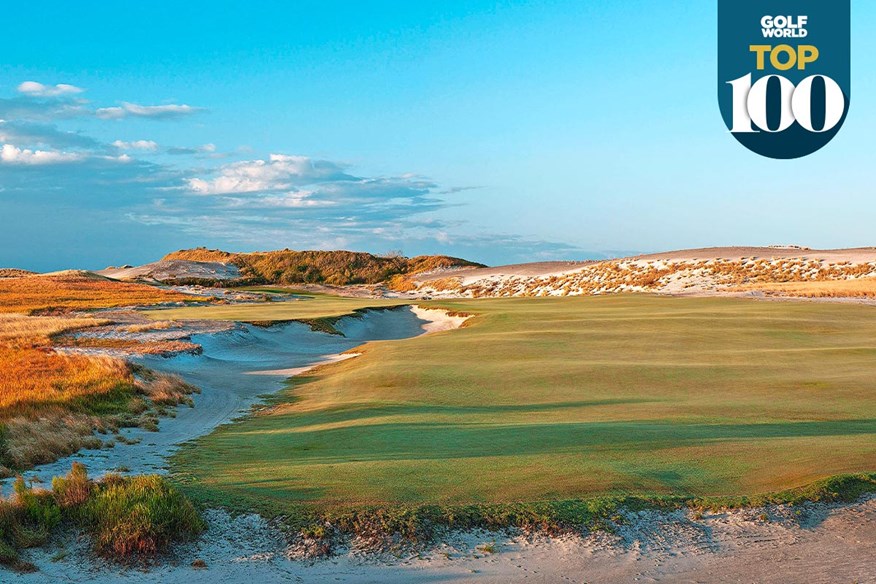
[
  {"x": 777, "y": 276},
  {"x": 52, "y": 403},
  {"x": 14, "y": 273},
  {"x": 77, "y": 291},
  {"x": 338, "y": 268},
  {"x": 859, "y": 288}
]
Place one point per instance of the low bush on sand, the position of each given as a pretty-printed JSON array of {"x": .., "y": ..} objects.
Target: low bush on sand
[
  {"x": 138, "y": 516},
  {"x": 128, "y": 519}
]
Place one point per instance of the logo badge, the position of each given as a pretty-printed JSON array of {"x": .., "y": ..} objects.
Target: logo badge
[{"x": 784, "y": 73}]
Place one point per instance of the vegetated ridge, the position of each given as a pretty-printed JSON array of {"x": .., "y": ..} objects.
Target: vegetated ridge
[{"x": 338, "y": 268}]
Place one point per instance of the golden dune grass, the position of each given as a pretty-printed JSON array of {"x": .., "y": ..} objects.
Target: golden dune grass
[
  {"x": 37, "y": 375},
  {"x": 19, "y": 326},
  {"x": 51, "y": 402},
  {"x": 65, "y": 292},
  {"x": 858, "y": 288}
]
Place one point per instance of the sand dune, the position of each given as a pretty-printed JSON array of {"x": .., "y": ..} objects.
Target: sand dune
[
  {"x": 718, "y": 270},
  {"x": 166, "y": 270}
]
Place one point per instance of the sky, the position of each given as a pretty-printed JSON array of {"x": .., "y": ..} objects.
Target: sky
[{"x": 496, "y": 131}]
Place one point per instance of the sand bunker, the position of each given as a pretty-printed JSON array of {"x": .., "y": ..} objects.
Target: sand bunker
[
  {"x": 236, "y": 367},
  {"x": 439, "y": 320}
]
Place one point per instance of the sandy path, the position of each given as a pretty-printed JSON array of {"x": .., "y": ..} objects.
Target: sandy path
[{"x": 823, "y": 544}]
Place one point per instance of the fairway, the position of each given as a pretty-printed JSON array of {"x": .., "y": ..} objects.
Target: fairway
[{"x": 548, "y": 399}]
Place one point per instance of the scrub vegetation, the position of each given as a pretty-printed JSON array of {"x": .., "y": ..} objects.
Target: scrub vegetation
[
  {"x": 127, "y": 518},
  {"x": 546, "y": 413},
  {"x": 319, "y": 267}
]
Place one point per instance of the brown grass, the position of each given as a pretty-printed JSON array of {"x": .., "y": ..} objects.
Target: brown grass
[
  {"x": 19, "y": 326},
  {"x": 68, "y": 292},
  {"x": 36, "y": 375},
  {"x": 860, "y": 288},
  {"x": 51, "y": 403},
  {"x": 127, "y": 346},
  {"x": 60, "y": 401}
]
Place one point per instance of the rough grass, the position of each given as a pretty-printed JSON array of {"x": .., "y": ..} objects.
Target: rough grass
[
  {"x": 37, "y": 375},
  {"x": 51, "y": 403},
  {"x": 138, "y": 517},
  {"x": 858, "y": 288},
  {"x": 19, "y": 326},
  {"x": 549, "y": 400},
  {"x": 127, "y": 518},
  {"x": 66, "y": 292}
]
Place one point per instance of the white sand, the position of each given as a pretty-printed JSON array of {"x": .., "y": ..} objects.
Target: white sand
[
  {"x": 821, "y": 544},
  {"x": 437, "y": 320}
]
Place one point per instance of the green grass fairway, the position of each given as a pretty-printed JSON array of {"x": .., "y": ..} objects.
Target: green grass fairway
[{"x": 552, "y": 399}]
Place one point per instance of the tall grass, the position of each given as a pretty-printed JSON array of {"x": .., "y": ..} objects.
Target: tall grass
[
  {"x": 138, "y": 516},
  {"x": 63, "y": 293},
  {"x": 127, "y": 518}
]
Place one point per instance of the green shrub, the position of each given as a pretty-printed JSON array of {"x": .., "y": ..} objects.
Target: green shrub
[
  {"x": 127, "y": 517},
  {"x": 139, "y": 516},
  {"x": 74, "y": 489}
]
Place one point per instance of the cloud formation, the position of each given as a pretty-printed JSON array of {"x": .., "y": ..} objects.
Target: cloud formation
[
  {"x": 279, "y": 172},
  {"x": 146, "y": 111},
  {"x": 10, "y": 154},
  {"x": 202, "y": 149},
  {"x": 34, "y": 89},
  {"x": 144, "y": 145},
  {"x": 39, "y": 134}
]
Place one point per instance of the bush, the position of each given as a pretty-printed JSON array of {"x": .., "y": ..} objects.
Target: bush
[
  {"x": 139, "y": 516},
  {"x": 128, "y": 517},
  {"x": 74, "y": 489}
]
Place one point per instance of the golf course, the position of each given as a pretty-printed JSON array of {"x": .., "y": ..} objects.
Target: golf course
[{"x": 554, "y": 399}]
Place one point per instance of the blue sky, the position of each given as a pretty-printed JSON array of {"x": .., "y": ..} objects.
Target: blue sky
[{"x": 497, "y": 131}]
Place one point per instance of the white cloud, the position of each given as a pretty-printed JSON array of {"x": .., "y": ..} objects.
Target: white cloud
[
  {"x": 10, "y": 154},
  {"x": 145, "y": 111},
  {"x": 202, "y": 149},
  {"x": 280, "y": 172},
  {"x": 35, "y": 89},
  {"x": 291, "y": 200},
  {"x": 145, "y": 145}
]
